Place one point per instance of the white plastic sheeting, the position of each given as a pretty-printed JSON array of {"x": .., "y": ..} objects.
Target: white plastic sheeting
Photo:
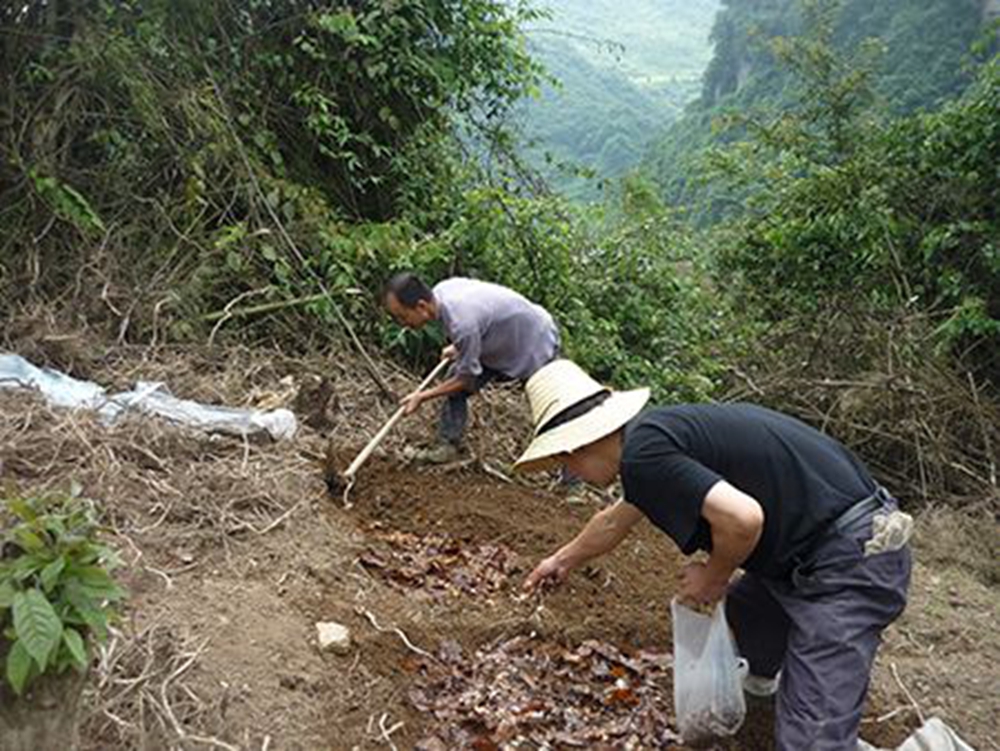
[
  {"x": 59, "y": 389},
  {"x": 152, "y": 398}
]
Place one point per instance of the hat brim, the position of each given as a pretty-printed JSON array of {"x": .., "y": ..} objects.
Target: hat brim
[{"x": 596, "y": 424}]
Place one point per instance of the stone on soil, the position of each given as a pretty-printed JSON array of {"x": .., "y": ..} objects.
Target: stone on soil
[{"x": 334, "y": 637}]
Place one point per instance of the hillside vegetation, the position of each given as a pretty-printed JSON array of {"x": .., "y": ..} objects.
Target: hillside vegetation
[
  {"x": 620, "y": 77},
  {"x": 218, "y": 172},
  {"x": 908, "y": 67}
]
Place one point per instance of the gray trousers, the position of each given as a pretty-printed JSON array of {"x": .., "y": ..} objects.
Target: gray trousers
[
  {"x": 455, "y": 408},
  {"x": 821, "y": 628}
]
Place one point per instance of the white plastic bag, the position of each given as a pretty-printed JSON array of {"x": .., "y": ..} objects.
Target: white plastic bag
[
  {"x": 708, "y": 675},
  {"x": 933, "y": 735}
]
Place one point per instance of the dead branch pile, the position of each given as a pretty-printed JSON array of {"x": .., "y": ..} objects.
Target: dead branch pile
[
  {"x": 152, "y": 477},
  {"x": 528, "y": 693},
  {"x": 142, "y": 699},
  {"x": 928, "y": 430}
]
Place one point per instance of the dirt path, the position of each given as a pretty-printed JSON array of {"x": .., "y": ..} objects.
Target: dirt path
[{"x": 235, "y": 552}]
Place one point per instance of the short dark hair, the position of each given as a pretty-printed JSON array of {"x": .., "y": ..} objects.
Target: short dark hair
[{"x": 408, "y": 288}]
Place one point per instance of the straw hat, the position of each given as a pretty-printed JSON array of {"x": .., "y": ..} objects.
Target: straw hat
[{"x": 569, "y": 410}]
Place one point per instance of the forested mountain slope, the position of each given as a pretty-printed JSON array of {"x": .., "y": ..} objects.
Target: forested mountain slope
[
  {"x": 916, "y": 50},
  {"x": 623, "y": 74}
]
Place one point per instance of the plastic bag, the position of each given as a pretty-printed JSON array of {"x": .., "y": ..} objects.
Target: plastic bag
[
  {"x": 933, "y": 735},
  {"x": 708, "y": 675}
]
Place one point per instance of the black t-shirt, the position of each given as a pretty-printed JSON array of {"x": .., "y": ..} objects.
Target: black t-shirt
[{"x": 802, "y": 479}]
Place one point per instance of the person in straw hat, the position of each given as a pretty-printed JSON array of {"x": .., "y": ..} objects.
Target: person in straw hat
[{"x": 823, "y": 548}]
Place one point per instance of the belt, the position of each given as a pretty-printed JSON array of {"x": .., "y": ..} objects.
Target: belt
[
  {"x": 861, "y": 510},
  {"x": 857, "y": 518}
]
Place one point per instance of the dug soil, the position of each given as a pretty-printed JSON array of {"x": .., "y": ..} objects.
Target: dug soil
[
  {"x": 233, "y": 551},
  {"x": 622, "y": 599}
]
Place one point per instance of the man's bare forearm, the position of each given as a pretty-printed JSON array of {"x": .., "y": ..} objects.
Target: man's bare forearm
[
  {"x": 737, "y": 521},
  {"x": 605, "y": 530},
  {"x": 446, "y": 388}
]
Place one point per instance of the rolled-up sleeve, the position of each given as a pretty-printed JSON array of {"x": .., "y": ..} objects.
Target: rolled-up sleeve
[{"x": 469, "y": 344}]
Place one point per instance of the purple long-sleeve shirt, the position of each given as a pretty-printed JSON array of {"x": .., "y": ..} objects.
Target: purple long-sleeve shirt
[{"x": 494, "y": 327}]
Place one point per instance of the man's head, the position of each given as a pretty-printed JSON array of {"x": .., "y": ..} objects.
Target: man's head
[
  {"x": 578, "y": 423},
  {"x": 409, "y": 300},
  {"x": 597, "y": 462}
]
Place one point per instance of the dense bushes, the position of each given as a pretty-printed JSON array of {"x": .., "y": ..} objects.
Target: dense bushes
[
  {"x": 197, "y": 170},
  {"x": 256, "y": 170},
  {"x": 867, "y": 248},
  {"x": 900, "y": 214},
  {"x": 158, "y": 151}
]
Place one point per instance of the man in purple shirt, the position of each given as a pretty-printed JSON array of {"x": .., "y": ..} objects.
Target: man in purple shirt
[{"x": 494, "y": 333}]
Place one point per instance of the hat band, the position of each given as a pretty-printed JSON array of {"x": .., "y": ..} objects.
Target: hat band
[{"x": 574, "y": 411}]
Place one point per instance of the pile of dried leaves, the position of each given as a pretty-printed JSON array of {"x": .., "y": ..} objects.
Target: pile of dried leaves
[
  {"x": 530, "y": 693},
  {"x": 439, "y": 563}
]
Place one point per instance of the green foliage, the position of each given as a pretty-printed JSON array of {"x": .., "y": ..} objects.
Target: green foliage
[
  {"x": 916, "y": 70},
  {"x": 641, "y": 314},
  {"x": 900, "y": 213},
  {"x": 56, "y": 592},
  {"x": 374, "y": 137},
  {"x": 197, "y": 125},
  {"x": 621, "y": 78},
  {"x": 886, "y": 42},
  {"x": 67, "y": 203},
  {"x": 623, "y": 283}
]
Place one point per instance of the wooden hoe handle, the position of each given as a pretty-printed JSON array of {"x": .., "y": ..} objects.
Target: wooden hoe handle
[{"x": 384, "y": 431}]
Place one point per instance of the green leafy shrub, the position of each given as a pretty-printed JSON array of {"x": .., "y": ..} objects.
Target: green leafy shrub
[
  {"x": 837, "y": 202},
  {"x": 56, "y": 591}
]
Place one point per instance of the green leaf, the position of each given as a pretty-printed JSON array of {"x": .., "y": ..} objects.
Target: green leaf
[
  {"x": 22, "y": 509},
  {"x": 28, "y": 540},
  {"x": 7, "y": 593},
  {"x": 98, "y": 584},
  {"x": 18, "y": 667},
  {"x": 88, "y": 612},
  {"x": 36, "y": 625},
  {"x": 74, "y": 642},
  {"x": 51, "y": 573}
]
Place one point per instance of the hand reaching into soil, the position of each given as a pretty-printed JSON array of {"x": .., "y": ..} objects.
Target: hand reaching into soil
[{"x": 549, "y": 573}]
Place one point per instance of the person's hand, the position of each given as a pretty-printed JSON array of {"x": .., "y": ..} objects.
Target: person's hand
[
  {"x": 549, "y": 572},
  {"x": 699, "y": 587},
  {"x": 449, "y": 353},
  {"x": 411, "y": 402}
]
